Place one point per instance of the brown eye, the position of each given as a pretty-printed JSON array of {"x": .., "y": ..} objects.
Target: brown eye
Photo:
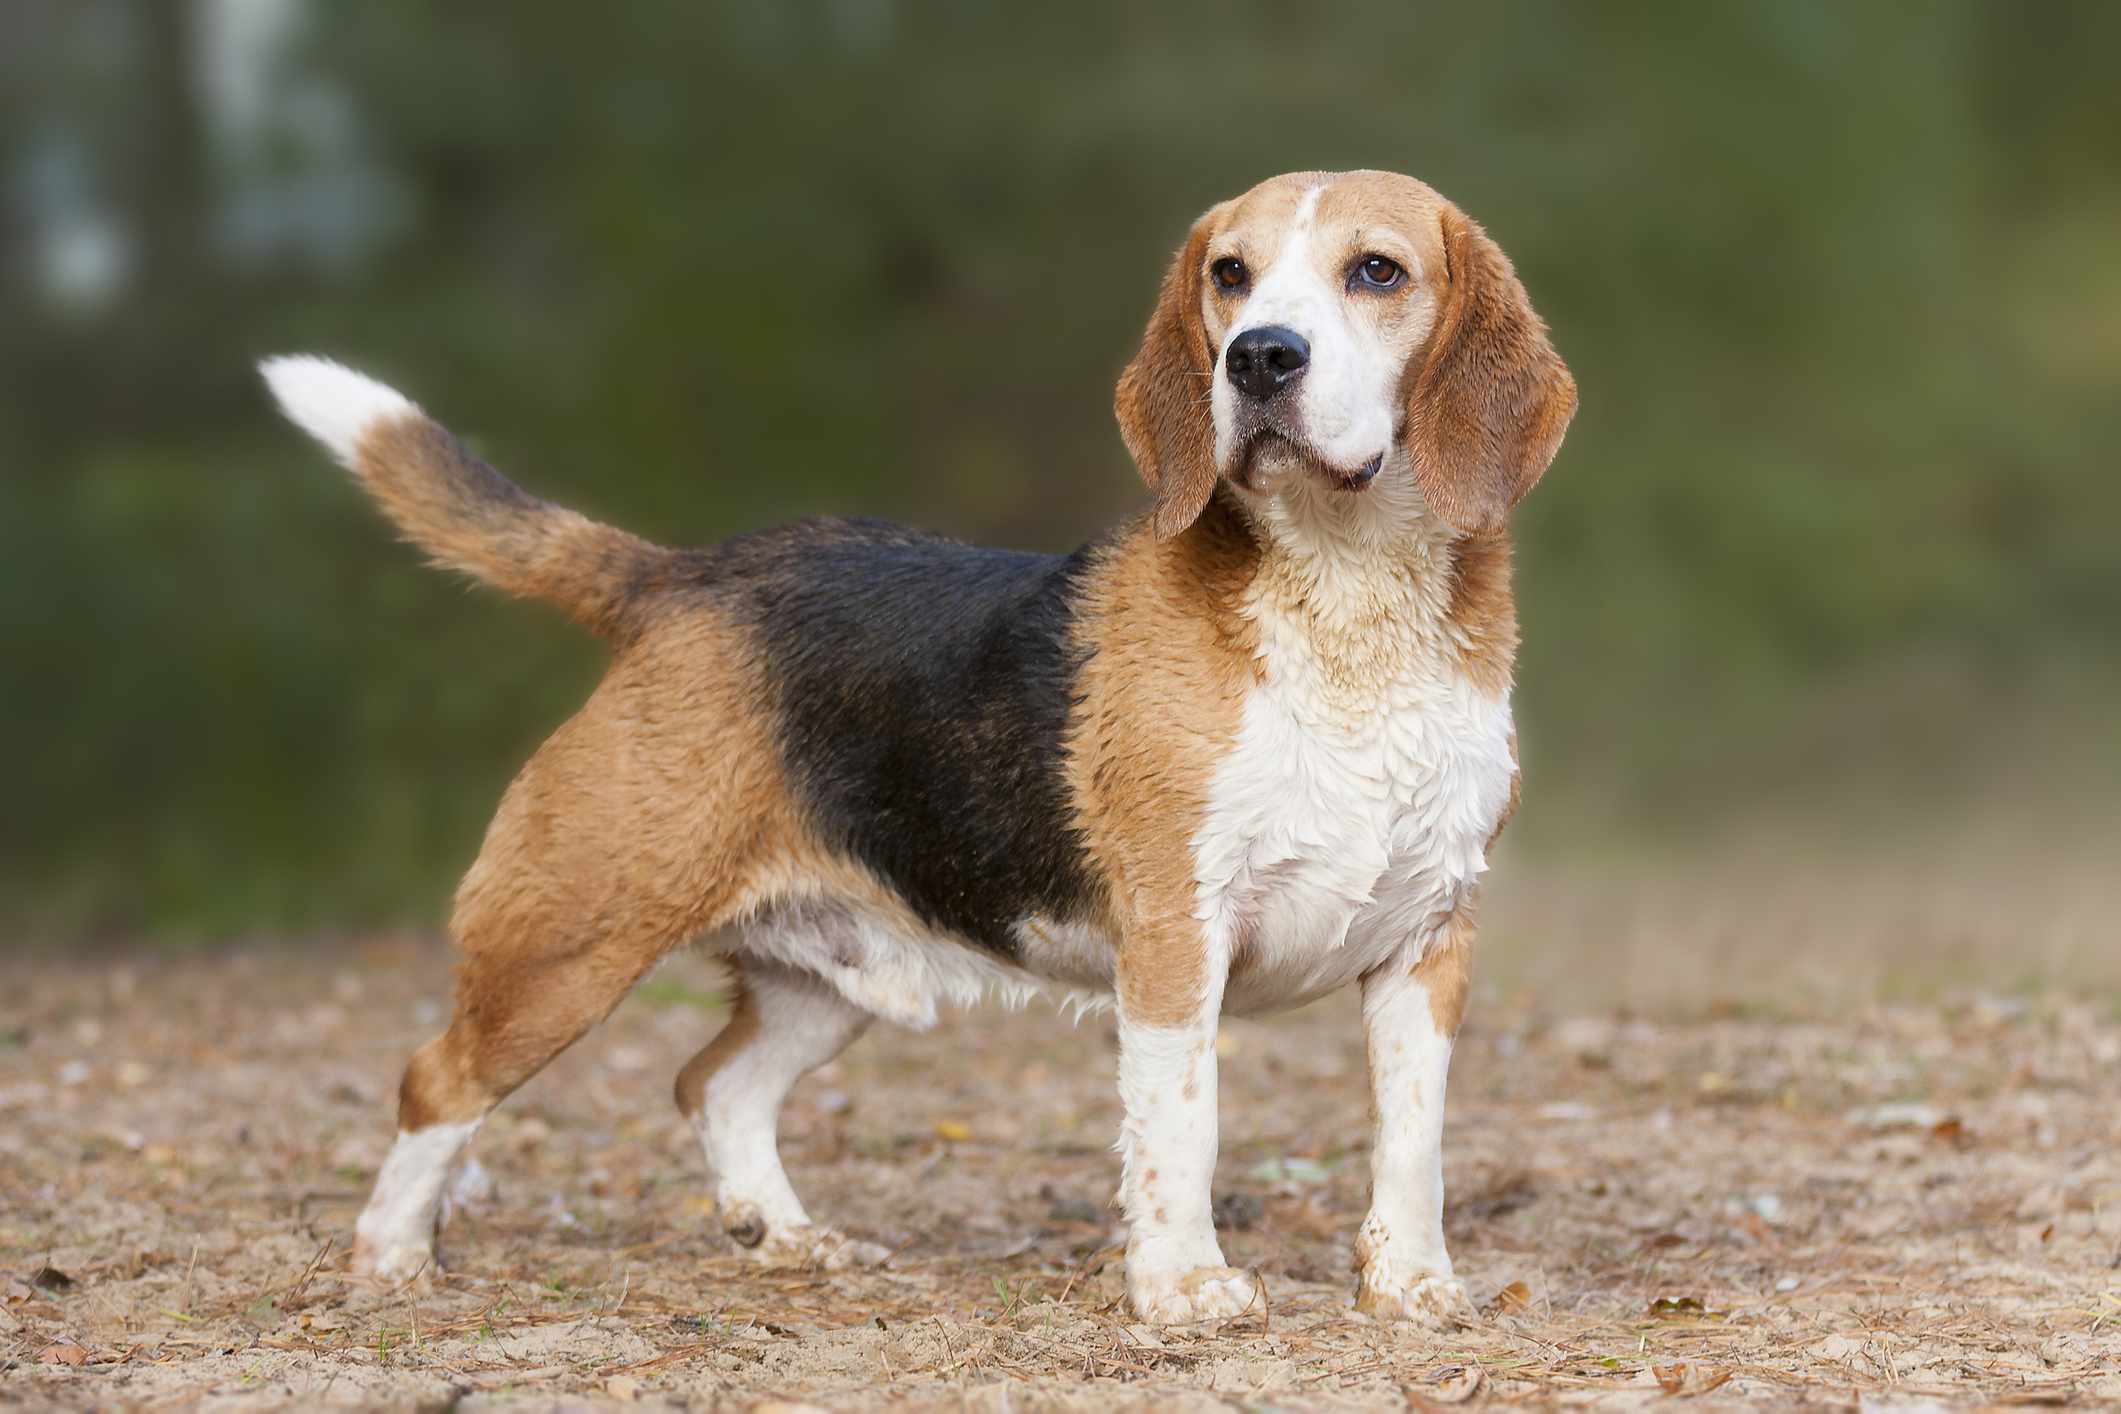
[
  {"x": 1379, "y": 273},
  {"x": 1228, "y": 274}
]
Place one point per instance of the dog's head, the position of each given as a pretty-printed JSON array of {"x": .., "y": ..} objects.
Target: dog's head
[{"x": 1324, "y": 331}]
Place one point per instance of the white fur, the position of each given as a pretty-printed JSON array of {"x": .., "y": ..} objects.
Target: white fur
[
  {"x": 331, "y": 402},
  {"x": 1353, "y": 812},
  {"x": 1075, "y": 955},
  {"x": 1167, "y": 1144},
  {"x": 394, "y": 1236},
  {"x": 1404, "y": 1268},
  {"x": 903, "y": 975}
]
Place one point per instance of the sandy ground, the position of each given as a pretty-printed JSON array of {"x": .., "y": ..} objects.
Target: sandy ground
[{"x": 1899, "y": 1204}]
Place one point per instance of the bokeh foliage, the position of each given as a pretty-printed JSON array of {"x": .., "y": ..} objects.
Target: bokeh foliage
[{"x": 1838, "y": 283}]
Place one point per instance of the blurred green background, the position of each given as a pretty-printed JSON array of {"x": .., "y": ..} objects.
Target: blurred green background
[{"x": 1828, "y": 558}]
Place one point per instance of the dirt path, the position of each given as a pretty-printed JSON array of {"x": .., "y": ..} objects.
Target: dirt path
[{"x": 1907, "y": 1204}]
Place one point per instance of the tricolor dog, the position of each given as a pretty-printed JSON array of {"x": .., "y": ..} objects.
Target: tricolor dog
[{"x": 1250, "y": 747}]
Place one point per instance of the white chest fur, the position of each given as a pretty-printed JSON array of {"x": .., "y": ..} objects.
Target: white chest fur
[{"x": 1355, "y": 808}]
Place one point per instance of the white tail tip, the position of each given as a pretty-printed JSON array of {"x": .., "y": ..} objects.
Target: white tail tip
[{"x": 331, "y": 402}]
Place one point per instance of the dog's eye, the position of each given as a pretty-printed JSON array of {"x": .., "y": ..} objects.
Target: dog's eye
[
  {"x": 1228, "y": 274},
  {"x": 1379, "y": 273}
]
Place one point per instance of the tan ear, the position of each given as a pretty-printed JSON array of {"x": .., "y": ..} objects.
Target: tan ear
[
  {"x": 1491, "y": 399},
  {"x": 1162, "y": 399}
]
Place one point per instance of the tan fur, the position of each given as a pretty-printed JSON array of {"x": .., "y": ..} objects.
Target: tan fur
[
  {"x": 469, "y": 518},
  {"x": 1445, "y": 971},
  {"x": 656, "y": 814},
  {"x": 1169, "y": 660},
  {"x": 1483, "y": 611}
]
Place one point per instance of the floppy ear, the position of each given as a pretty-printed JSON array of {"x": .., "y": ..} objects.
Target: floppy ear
[
  {"x": 1162, "y": 400},
  {"x": 1491, "y": 398}
]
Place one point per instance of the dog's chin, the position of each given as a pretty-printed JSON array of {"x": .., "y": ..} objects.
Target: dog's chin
[{"x": 1272, "y": 461}]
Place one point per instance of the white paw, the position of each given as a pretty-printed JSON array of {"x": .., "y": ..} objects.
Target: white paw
[
  {"x": 1423, "y": 1298},
  {"x": 398, "y": 1262},
  {"x": 1203, "y": 1294}
]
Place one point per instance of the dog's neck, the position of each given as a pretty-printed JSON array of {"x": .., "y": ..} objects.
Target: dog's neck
[
  {"x": 1345, "y": 559},
  {"x": 1373, "y": 587}
]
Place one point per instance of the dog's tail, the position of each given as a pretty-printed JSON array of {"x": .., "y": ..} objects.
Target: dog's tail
[{"x": 462, "y": 512}]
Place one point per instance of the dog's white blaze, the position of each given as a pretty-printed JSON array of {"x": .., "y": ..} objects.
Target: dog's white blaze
[
  {"x": 395, "y": 1232},
  {"x": 331, "y": 402},
  {"x": 1400, "y": 1250}
]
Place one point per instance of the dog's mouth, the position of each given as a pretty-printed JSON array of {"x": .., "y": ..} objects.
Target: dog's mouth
[{"x": 1271, "y": 454}]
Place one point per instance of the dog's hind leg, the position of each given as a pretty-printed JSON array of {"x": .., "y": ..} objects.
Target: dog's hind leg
[
  {"x": 579, "y": 890},
  {"x": 785, "y": 1024},
  {"x": 511, "y": 1018}
]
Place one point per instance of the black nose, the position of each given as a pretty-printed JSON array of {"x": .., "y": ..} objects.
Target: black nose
[{"x": 1263, "y": 361}]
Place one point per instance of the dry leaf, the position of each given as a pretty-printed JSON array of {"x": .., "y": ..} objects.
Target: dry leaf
[
  {"x": 51, "y": 1278},
  {"x": 1685, "y": 1379},
  {"x": 62, "y": 1352},
  {"x": 1514, "y": 1297},
  {"x": 1681, "y": 1308},
  {"x": 955, "y": 1131},
  {"x": 1451, "y": 1387}
]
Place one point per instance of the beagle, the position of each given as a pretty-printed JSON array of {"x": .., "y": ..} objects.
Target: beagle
[{"x": 1247, "y": 748}]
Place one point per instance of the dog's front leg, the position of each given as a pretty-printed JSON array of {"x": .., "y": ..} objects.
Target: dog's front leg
[
  {"x": 1411, "y": 1006},
  {"x": 1170, "y": 1000}
]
